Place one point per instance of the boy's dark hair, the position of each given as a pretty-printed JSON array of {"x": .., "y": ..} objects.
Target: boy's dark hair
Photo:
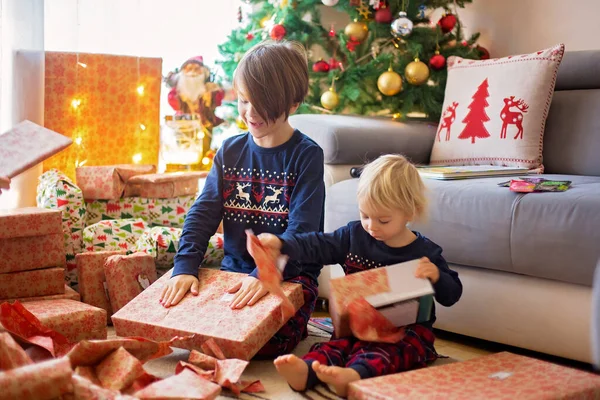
[{"x": 273, "y": 77}]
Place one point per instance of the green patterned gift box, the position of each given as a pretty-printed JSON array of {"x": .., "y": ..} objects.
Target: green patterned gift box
[
  {"x": 110, "y": 235},
  {"x": 156, "y": 212},
  {"x": 56, "y": 191}
]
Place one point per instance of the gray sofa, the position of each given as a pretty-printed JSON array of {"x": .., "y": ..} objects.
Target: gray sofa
[{"x": 526, "y": 260}]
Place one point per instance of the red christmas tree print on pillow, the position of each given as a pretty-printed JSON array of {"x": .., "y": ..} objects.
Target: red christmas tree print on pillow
[
  {"x": 513, "y": 117},
  {"x": 477, "y": 116}
]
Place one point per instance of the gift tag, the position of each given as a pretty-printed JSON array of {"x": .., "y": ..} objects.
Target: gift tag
[
  {"x": 143, "y": 281},
  {"x": 228, "y": 297},
  {"x": 502, "y": 375}
]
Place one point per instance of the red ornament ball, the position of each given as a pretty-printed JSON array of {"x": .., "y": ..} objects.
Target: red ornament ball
[
  {"x": 437, "y": 62},
  {"x": 321, "y": 66},
  {"x": 384, "y": 15},
  {"x": 277, "y": 32},
  {"x": 447, "y": 22},
  {"x": 484, "y": 54},
  {"x": 249, "y": 36}
]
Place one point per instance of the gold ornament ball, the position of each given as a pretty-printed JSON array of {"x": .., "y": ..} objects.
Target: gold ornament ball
[
  {"x": 330, "y": 99},
  {"x": 357, "y": 30},
  {"x": 416, "y": 72},
  {"x": 389, "y": 83}
]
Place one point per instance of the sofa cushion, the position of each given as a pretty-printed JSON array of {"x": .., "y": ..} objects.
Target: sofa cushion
[{"x": 479, "y": 224}]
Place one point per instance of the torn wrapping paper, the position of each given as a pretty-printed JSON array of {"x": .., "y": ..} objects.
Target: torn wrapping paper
[
  {"x": 165, "y": 185},
  {"x": 56, "y": 191},
  {"x": 72, "y": 319},
  {"x": 119, "y": 370},
  {"x": 156, "y": 212},
  {"x": 26, "y": 145},
  {"x": 29, "y": 221},
  {"x": 39, "y": 282},
  {"x": 28, "y": 253},
  {"x": 497, "y": 376},
  {"x": 368, "y": 324},
  {"x": 11, "y": 354},
  {"x": 108, "y": 182},
  {"x": 110, "y": 235},
  {"x": 185, "y": 385},
  {"x": 69, "y": 294},
  {"x": 240, "y": 333},
  {"x": 42, "y": 381},
  {"x": 127, "y": 276},
  {"x": 92, "y": 281}
]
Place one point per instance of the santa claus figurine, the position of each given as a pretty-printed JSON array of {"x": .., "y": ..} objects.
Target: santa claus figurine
[{"x": 193, "y": 92}]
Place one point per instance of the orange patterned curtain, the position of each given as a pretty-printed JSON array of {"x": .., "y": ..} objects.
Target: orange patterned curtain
[{"x": 108, "y": 104}]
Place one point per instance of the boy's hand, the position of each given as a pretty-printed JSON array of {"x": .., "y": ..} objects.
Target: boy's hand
[
  {"x": 247, "y": 292},
  {"x": 177, "y": 287},
  {"x": 270, "y": 241},
  {"x": 427, "y": 270},
  {"x": 4, "y": 183}
]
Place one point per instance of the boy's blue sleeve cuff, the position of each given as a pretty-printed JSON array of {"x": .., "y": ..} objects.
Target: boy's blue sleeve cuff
[
  {"x": 254, "y": 273},
  {"x": 185, "y": 267}
]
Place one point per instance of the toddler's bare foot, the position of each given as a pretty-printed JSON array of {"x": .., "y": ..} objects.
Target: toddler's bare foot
[
  {"x": 293, "y": 369},
  {"x": 337, "y": 377}
]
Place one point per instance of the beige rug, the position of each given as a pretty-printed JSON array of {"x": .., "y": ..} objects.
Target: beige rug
[{"x": 276, "y": 387}]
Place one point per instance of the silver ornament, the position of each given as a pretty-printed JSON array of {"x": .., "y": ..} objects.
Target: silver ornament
[
  {"x": 330, "y": 3},
  {"x": 402, "y": 26}
]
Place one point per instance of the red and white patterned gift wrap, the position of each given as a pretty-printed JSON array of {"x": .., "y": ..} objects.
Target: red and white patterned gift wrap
[
  {"x": 92, "y": 281},
  {"x": 184, "y": 385},
  {"x": 348, "y": 288},
  {"x": 28, "y": 253},
  {"x": 108, "y": 182},
  {"x": 214, "y": 252},
  {"x": 113, "y": 234},
  {"x": 42, "y": 381},
  {"x": 69, "y": 294},
  {"x": 161, "y": 243},
  {"x": 127, "y": 276},
  {"x": 156, "y": 212},
  {"x": 29, "y": 221},
  {"x": 497, "y": 376},
  {"x": 56, "y": 191},
  {"x": 164, "y": 186},
  {"x": 75, "y": 320},
  {"x": 39, "y": 282},
  {"x": 240, "y": 333}
]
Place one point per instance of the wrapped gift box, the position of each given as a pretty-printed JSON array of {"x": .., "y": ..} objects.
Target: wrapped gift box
[
  {"x": 498, "y": 376},
  {"x": 69, "y": 294},
  {"x": 56, "y": 191},
  {"x": 239, "y": 333},
  {"x": 127, "y": 276},
  {"x": 47, "y": 380},
  {"x": 161, "y": 243},
  {"x": 156, "y": 212},
  {"x": 39, "y": 282},
  {"x": 121, "y": 234},
  {"x": 75, "y": 320},
  {"x": 108, "y": 182},
  {"x": 28, "y": 253},
  {"x": 92, "y": 281},
  {"x": 29, "y": 221},
  {"x": 164, "y": 186},
  {"x": 214, "y": 252}
]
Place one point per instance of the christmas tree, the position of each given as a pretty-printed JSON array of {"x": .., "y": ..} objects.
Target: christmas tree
[
  {"x": 475, "y": 118},
  {"x": 388, "y": 61}
]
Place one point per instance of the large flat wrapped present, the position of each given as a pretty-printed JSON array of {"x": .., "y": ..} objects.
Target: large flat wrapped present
[
  {"x": 56, "y": 191},
  {"x": 127, "y": 276},
  {"x": 29, "y": 221},
  {"x": 164, "y": 186},
  {"x": 35, "y": 252},
  {"x": 69, "y": 294},
  {"x": 39, "y": 282},
  {"x": 26, "y": 145},
  {"x": 108, "y": 182},
  {"x": 156, "y": 212},
  {"x": 240, "y": 333},
  {"x": 73, "y": 319},
  {"x": 92, "y": 281},
  {"x": 110, "y": 235},
  {"x": 497, "y": 376}
]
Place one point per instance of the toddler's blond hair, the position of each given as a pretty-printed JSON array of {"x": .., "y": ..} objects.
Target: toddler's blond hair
[{"x": 393, "y": 182}]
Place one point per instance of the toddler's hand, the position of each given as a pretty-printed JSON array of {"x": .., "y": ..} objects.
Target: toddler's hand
[
  {"x": 177, "y": 287},
  {"x": 247, "y": 292},
  {"x": 427, "y": 270},
  {"x": 4, "y": 183}
]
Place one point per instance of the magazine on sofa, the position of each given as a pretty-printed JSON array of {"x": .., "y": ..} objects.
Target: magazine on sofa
[{"x": 468, "y": 171}]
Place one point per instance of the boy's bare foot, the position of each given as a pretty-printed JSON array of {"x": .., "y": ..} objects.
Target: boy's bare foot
[
  {"x": 294, "y": 370},
  {"x": 337, "y": 377}
]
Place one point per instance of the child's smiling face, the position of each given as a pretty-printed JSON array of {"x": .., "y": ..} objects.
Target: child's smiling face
[{"x": 257, "y": 126}]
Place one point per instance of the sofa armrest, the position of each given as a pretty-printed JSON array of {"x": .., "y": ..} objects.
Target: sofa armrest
[{"x": 351, "y": 140}]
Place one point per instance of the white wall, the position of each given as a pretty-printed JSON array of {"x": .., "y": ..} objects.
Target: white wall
[{"x": 22, "y": 83}]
